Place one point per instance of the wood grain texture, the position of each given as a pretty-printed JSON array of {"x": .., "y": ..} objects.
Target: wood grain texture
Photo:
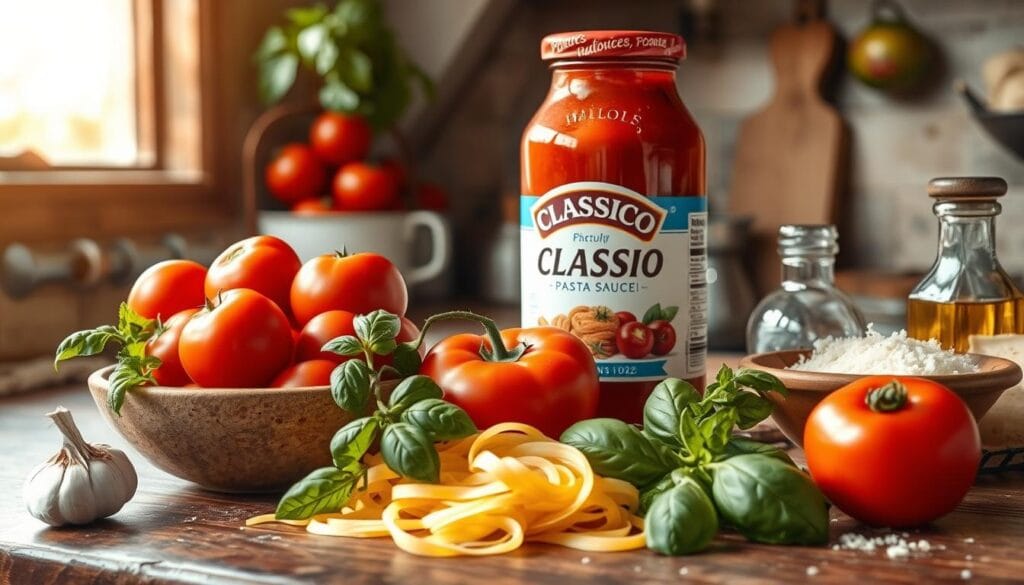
[
  {"x": 790, "y": 155},
  {"x": 172, "y": 532}
]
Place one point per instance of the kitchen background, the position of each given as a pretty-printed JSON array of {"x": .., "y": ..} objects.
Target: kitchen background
[{"x": 192, "y": 96}]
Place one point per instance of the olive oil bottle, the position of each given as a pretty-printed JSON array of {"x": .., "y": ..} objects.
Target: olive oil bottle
[{"x": 966, "y": 292}]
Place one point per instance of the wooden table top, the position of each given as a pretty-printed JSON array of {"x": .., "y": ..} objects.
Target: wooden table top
[{"x": 173, "y": 532}]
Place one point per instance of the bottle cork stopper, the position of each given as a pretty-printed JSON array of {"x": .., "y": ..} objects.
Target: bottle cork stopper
[{"x": 966, "y": 187}]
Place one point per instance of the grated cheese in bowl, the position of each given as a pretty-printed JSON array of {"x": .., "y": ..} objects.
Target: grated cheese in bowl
[{"x": 876, "y": 354}]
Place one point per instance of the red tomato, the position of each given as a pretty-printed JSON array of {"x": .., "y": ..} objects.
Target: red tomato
[
  {"x": 893, "y": 454},
  {"x": 551, "y": 386},
  {"x": 430, "y": 196},
  {"x": 165, "y": 347},
  {"x": 625, "y": 317},
  {"x": 359, "y": 186},
  {"x": 264, "y": 264},
  {"x": 634, "y": 340},
  {"x": 397, "y": 170},
  {"x": 340, "y": 138},
  {"x": 302, "y": 374},
  {"x": 331, "y": 324},
  {"x": 316, "y": 206},
  {"x": 168, "y": 287},
  {"x": 242, "y": 342},
  {"x": 358, "y": 283},
  {"x": 664, "y": 336},
  {"x": 294, "y": 174}
]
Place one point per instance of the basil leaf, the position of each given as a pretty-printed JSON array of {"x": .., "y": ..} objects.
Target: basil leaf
[
  {"x": 356, "y": 69},
  {"x": 743, "y": 446},
  {"x": 751, "y": 408},
  {"x": 346, "y": 345},
  {"x": 407, "y": 359},
  {"x": 350, "y": 385},
  {"x": 377, "y": 331},
  {"x": 326, "y": 58},
  {"x": 306, "y": 15},
  {"x": 409, "y": 452},
  {"x": 311, "y": 39},
  {"x": 352, "y": 441},
  {"x": 124, "y": 377},
  {"x": 652, "y": 314},
  {"x": 689, "y": 433},
  {"x": 769, "y": 501},
  {"x": 717, "y": 429},
  {"x": 277, "y": 74},
  {"x": 133, "y": 326},
  {"x": 85, "y": 343},
  {"x": 616, "y": 449},
  {"x": 664, "y": 407},
  {"x": 724, "y": 376},
  {"x": 669, "y": 313},
  {"x": 648, "y": 495},
  {"x": 325, "y": 490},
  {"x": 412, "y": 390},
  {"x": 759, "y": 380},
  {"x": 274, "y": 42},
  {"x": 442, "y": 421},
  {"x": 681, "y": 520}
]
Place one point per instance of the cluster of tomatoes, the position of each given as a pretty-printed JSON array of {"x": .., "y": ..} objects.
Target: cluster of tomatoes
[
  {"x": 259, "y": 317},
  {"x": 332, "y": 172},
  {"x": 636, "y": 339}
]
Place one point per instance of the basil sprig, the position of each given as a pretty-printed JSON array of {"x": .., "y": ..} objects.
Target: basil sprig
[
  {"x": 406, "y": 423},
  {"x": 694, "y": 475},
  {"x": 134, "y": 368}
]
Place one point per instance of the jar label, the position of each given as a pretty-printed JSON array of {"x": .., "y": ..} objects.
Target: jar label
[{"x": 596, "y": 256}]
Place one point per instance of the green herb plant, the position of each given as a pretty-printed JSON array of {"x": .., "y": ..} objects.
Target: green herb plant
[
  {"x": 352, "y": 50},
  {"x": 694, "y": 475},
  {"x": 406, "y": 423},
  {"x": 134, "y": 368}
]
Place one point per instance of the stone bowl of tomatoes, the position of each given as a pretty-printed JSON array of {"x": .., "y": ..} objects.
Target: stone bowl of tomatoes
[
  {"x": 222, "y": 378},
  {"x": 235, "y": 440},
  {"x": 979, "y": 390}
]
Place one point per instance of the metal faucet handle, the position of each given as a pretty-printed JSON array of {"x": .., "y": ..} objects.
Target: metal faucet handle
[{"x": 23, "y": 271}]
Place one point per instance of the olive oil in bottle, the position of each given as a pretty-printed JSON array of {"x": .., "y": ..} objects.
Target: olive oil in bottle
[
  {"x": 952, "y": 323},
  {"x": 966, "y": 292}
]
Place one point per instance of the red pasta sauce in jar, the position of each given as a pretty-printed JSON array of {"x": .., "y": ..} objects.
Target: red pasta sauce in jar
[{"x": 613, "y": 213}]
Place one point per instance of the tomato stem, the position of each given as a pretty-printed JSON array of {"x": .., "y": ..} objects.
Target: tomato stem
[
  {"x": 498, "y": 352},
  {"x": 888, "y": 398}
]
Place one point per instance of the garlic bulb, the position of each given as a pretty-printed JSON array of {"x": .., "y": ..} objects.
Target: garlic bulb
[{"x": 82, "y": 482}]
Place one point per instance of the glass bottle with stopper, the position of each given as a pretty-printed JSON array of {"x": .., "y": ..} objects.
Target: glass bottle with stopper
[
  {"x": 966, "y": 292},
  {"x": 807, "y": 306}
]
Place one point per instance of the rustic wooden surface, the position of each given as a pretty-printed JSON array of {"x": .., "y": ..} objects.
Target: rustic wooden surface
[{"x": 172, "y": 532}]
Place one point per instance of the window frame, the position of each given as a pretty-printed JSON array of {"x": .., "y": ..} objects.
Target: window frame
[{"x": 62, "y": 202}]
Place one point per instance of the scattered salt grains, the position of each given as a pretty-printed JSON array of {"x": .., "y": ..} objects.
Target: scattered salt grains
[
  {"x": 684, "y": 571},
  {"x": 585, "y": 560},
  {"x": 969, "y": 540},
  {"x": 812, "y": 571},
  {"x": 637, "y": 568},
  {"x": 875, "y": 353},
  {"x": 965, "y": 574},
  {"x": 969, "y": 558},
  {"x": 897, "y": 551}
]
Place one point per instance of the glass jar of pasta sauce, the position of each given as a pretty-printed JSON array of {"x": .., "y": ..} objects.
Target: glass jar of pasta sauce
[{"x": 613, "y": 213}]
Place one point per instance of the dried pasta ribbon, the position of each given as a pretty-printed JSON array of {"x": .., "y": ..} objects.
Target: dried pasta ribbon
[
  {"x": 559, "y": 321},
  {"x": 505, "y": 486}
]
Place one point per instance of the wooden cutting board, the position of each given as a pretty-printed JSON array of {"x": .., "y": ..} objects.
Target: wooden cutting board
[{"x": 790, "y": 155}]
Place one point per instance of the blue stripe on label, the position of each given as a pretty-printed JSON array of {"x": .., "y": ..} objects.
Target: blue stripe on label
[
  {"x": 678, "y": 208},
  {"x": 632, "y": 369}
]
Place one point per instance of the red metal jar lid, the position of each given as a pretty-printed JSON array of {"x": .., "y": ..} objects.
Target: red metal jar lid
[{"x": 610, "y": 44}]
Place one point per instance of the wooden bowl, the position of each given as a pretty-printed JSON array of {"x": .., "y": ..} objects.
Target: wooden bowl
[
  {"x": 978, "y": 390},
  {"x": 227, "y": 440}
]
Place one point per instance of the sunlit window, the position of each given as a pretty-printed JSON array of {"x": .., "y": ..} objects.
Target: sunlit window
[{"x": 68, "y": 82}]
